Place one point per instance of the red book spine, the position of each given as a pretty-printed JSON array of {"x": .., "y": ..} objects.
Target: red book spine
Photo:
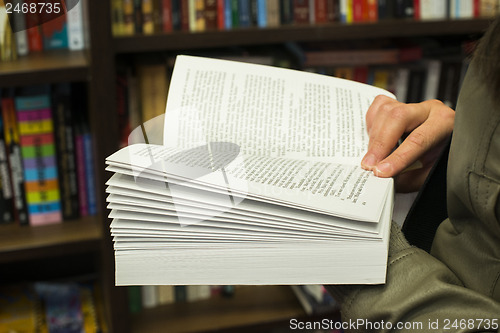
[
  {"x": 220, "y": 14},
  {"x": 210, "y": 13},
  {"x": 185, "y": 15},
  {"x": 301, "y": 11},
  {"x": 372, "y": 10},
  {"x": 357, "y": 10},
  {"x": 476, "y": 9},
  {"x": 166, "y": 15},
  {"x": 416, "y": 10},
  {"x": 320, "y": 11}
]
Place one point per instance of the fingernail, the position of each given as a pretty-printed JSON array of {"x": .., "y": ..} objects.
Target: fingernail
[
  {"x": 383, "y": 169},
  {"x": 369, "y": 161}
]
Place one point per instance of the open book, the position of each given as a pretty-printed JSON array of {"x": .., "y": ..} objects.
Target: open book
[{"x": 252, "y": 176}]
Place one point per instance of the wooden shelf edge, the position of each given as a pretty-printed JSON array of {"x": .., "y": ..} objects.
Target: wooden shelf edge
[
  {"x": 249, "y": 305},
  {"x": 21, "y": 243},
  {"x": 302, "y": 33},
  {"x": 45, "y": 67}
]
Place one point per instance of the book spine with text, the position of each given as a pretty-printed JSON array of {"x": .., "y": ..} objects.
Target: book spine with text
[
  {"x": 12, "y": 144},
  {"x": 76, "y": 40},
  {"x": 6, "y": 194},
  {"x": 36, "y": 135},
  {"x": 66, "y": 162}
]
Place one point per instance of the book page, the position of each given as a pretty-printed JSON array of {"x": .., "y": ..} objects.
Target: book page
[
  {"x": 266, "y": 110},
  {"x": 329, "y": 188}
]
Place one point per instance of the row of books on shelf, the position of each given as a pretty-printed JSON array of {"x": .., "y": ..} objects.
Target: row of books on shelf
[
  {"x": 23, "y": 32},
  {"x": 46, "y": 161},
  {"x": 51, "y": 307},
  {"x": 148, "y": 297},
  {"x": 412, "y": 83},
  {"x": 314, "y": 298},
  {"x": 159, "y": 16}
]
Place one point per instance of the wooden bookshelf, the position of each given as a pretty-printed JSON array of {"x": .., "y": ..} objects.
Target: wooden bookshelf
[
  {"x": 22, "y": 243},
  {"x": 45, "y": 67},
  {"x": 248, "y": 306},
  {"x": 302, "y": 33}
]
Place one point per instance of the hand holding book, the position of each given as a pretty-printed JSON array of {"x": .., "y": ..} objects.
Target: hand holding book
[{"x": 426, "y": 127}]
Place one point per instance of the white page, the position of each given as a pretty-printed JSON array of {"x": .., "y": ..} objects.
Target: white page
[
  {"x": 157, "y": 191},
  {"x": 266, "y": 110},
  {"x": 330, "y": 188}
]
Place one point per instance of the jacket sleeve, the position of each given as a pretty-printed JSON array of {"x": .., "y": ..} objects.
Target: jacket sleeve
[{"x": 420, "y": 293}]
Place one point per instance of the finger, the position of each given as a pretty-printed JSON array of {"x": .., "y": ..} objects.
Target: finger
[
  {"x": 421, "y": 141},
  {"x": 374, "y": 107},
  {"x": 392, "y": 121}
]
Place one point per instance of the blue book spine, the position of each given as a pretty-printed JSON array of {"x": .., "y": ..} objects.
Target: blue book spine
[
  {"x": 89, "y": 174},
  {"x": 228, "y": 19},
  {"x": 262, "y": 13},
  {"x": 244, "y": 13}
]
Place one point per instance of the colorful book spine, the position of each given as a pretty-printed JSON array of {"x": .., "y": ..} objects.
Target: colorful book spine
[
  {"x": 12, "y": 143},
  {"x": 36, "y": 135}
]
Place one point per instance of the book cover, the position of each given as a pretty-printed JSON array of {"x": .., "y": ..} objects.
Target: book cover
[
  {"x": 36, "y": 135},
  {"x": 20, "y": 310},
  {"x": 65, "y": 150},
  {"x": 12, "y": 142}
]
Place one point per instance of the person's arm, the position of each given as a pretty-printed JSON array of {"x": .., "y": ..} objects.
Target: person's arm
[
  {"x": 421, "y": 294},
  {"x": 426, "y": 125}
]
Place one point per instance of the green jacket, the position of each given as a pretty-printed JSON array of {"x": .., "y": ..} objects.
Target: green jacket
[{"x": 457, "y": 288}]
